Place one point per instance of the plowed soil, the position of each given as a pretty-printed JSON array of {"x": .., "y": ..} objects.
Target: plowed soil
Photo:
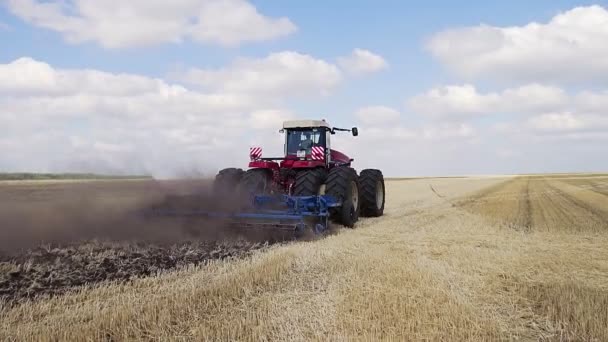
[
  {"x": 52, "y": 270},
  {"x": 59, "y": 236}
]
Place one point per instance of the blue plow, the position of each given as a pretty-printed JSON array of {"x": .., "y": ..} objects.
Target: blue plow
[{"x": 280, "y": 212}]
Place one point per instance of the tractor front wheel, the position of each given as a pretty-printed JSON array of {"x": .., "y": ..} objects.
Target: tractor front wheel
[
  {"x": 343, "y": 185},
  {"x": 309, "y": 182},
  {"x": 372, "y": 193}
]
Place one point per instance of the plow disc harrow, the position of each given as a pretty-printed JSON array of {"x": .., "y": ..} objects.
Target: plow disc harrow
[{"x": 296, "y": 214}]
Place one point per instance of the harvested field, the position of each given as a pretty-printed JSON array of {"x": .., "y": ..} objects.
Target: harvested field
[
  {"x": 512, "y": 258},
  {"x": 553, "y": 204}
]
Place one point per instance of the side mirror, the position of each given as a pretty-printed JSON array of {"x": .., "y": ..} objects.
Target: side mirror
[{"x": 355, "y": 131}]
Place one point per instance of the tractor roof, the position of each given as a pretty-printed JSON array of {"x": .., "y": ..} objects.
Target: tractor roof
[{"x": 305, "y": 124}]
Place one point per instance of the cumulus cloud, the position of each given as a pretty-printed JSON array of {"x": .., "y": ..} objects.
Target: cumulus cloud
[
  {"x": 464, "y": 101},
  {"x": 537, "y": 108},
  {"x": 26, "y": 76},
  {"x": 90, "y": 120},
  {"x": 401, "y": 146},
  {"x": 553, "y": 108},
  {"x": 230, "y": 22},
  {"x": 362, "y": 61},
  {"x": 123, "y": 24},
  {"x": 377, "y": 115},
  {"x": 447, "y": 131},
  {"x": 556, "y": 122},
  {"x": 268, "y": 119},
  {"x": 552, "y": 111},
  {"x": 569, "y": 48},
  {"x": 568, "y": 122},
  {"x": 452, "y": 100},
  {"x": 281, "y": 73},
  {"x": 592, "y": 101},
  {"x": 382, "y": 123}
]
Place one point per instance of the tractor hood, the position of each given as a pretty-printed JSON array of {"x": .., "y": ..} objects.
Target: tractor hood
[{"x": 339, "y": 157}]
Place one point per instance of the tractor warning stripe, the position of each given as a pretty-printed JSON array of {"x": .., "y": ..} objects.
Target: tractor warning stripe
[
  {"x": 318, "y": 153},
  {"x": 255, "y": 153}
]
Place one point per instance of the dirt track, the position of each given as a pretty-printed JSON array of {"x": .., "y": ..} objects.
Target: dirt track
[{"x": 451, "y": 260}]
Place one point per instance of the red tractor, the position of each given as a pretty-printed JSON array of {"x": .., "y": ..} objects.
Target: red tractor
[{"x": 309, "y": 168}]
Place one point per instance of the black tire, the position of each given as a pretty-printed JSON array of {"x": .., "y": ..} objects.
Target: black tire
[
  {"x": 343, "y": 185},
  {"x": 373, "y": 193},
  {"x": 255, "y": 182},
  {"x": 227, "y": 180},
  {"x": 309, "y": 182}
]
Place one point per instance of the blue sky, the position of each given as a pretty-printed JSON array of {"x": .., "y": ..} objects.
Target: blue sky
[{"x": 446, "y": 116}]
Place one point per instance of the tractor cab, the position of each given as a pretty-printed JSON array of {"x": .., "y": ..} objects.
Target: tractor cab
[
  {"x": 309, "y": 140},
  {"x": 306, "y": 139}
]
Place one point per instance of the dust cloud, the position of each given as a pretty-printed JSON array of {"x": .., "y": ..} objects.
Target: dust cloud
[
  {"x": 65, "y": 213},
  {"x": 58, "y": 236}
]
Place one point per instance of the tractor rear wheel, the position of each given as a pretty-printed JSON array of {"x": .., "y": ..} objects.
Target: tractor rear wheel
[
  {"x": 343, "y": 185},
  {"x": 309, "y": 182},
  {"x": 227, "y": 180},
  {"x": 255, "y": 182},
  {"x": 372, "y": 193}
]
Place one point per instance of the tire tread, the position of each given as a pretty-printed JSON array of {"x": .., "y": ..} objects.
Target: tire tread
[
  {"x": 368, "y": 180},
  {"x": 308, "y": 182},
  {"x": 338, "y": 181}
]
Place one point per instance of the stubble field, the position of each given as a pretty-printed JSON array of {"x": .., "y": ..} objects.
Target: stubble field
[{"x": 487, "y": 258}]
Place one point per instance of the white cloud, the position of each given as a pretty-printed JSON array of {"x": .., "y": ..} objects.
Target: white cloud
[
  {"x": 592, "y": 102},
  {"x": 551, "y": 112},
  {"x": 385, "y": 139},
  {"x": 535, "y": 108},
  {"x": 568, "y": 122},
  {"x": 556, "y": 122},
  {"x": 26, "y": 76},
  {"x": 449, "y": 101},
  {"x": 230, "y": 22},
  {"x": 89, "y": 120},
  {"x": 448, "y": 131},
  {"x": 269, "y": 119},
  {"x": 378, "y": 115},
  {"x": 123, "y": 24},
  {"x": 569, "y": 48},
  {"x": 383, "y": 126},
  {"x": 401, "y": 147},
  {"x": 281, "y": 73},
  {"x": 464, "y": 101},
  {"x": 362, "y": 62}
]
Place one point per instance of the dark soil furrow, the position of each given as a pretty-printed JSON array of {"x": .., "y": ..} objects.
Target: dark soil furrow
[{"x": 52, "y": 270}]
